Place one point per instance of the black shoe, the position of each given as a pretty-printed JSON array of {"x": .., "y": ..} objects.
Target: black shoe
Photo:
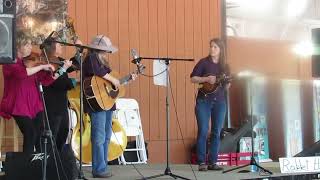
[
  {"x": 215, "y": 167},
  {"x": 103, "y": 175}
]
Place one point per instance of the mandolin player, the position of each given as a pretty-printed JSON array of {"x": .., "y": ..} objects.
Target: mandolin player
[{"x": 209, "y": 72}]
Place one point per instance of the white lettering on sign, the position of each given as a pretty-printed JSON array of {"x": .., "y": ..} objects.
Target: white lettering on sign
[{"x": 300, "y": 164}]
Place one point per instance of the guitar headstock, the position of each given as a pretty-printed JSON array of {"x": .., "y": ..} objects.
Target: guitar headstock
[
  {"x": 224, "y": 79},
  {"x": 227, "y": 78},
  {"x": 140, "y": 68}
]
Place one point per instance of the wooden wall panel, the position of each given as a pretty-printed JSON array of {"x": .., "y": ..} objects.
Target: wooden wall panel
[
  {"x": 180, "y": 102},
  {"x": 134, "y": 88},
  {"x": 144, "y": 51},
  {"x": 156, "y": 28},
  {"x": 189, "y": 52},
  {"x": 197, "y": 44},
  {"x": 102, "y": 17},
  {"x": 205, "y": 9},
  {"x": 153, "y": 50},
  {"x": 81, "y": 25},
  {"x": 124, "y": 68},
  {"x": 113, "y": 31},
  {"x": 163, "y": 51},
  {"x": 171, "y": 45},
  {"x": 92, "y": 19}
]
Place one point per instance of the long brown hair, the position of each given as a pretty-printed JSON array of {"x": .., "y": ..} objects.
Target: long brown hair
[{"x": 222, "y": 57}]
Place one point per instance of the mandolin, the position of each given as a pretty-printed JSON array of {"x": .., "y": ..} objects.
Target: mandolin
[
  {"x": 101, "y": 94},
  {"x": 207, "y": 88}
]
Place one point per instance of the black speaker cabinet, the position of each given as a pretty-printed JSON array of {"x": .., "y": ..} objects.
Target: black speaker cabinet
[
  {"x": 19, "y": 165},
  {"x": 9, "y": 6},
  {"x": 313, "y": 150},
  {"x": 7, "y": 31},
  {"x": 7, "y": 36}
]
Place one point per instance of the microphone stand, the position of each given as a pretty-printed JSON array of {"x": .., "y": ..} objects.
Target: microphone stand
[
  {"x": 79, "y": 56},
  {"x": 47, "y": 133},
  {"x": 167, "y": 171}
]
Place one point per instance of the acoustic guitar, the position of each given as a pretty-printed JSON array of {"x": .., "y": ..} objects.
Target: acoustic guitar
[
  {"x": 101, "y": 94},
  {"x": 207, "y": 88}
]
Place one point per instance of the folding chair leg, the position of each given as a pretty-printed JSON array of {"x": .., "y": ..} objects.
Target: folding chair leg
[{"x": 123, "y": 159}]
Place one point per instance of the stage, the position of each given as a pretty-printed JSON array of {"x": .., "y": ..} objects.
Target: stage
[{"x": 128, "y": 172}]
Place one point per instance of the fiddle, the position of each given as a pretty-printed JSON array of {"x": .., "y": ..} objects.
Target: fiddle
[
  {"x": 56, "y": 61},
  {"x": 35, "y": 59}
]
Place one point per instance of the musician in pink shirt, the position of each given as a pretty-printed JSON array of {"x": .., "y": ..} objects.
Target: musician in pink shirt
[{"x": 21, "y": 98}]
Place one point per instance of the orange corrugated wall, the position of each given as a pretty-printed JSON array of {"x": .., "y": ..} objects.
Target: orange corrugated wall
[{"x": 156, "y": 28}]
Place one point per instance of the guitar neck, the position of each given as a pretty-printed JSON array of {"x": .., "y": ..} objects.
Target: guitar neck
[
  {"x": 128, "y": 77},
  {"x": 125, "y": 79}
]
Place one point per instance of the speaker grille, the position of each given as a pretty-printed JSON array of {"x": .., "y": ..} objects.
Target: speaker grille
[
  {"x": 9, "y": 7},
  {"x": 6, "y": 37}
]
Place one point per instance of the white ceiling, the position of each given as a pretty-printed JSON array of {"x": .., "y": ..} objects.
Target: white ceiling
[{"x": 269, "y": 19}]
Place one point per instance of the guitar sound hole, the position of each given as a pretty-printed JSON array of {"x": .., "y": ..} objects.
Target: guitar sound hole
[{"x": 113, "y": 87}]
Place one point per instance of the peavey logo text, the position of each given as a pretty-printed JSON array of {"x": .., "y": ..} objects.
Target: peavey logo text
[{"x": 39, "y": 156}]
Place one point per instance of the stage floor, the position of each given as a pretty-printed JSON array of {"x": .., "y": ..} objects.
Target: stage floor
[{"x": 128, "y": 172}]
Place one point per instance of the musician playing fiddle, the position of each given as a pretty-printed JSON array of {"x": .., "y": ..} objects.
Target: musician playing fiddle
[
  {"x": 210, "y": 106},
  {"x": 21, "y": 98},
  {"x": 56, "y": 94}
]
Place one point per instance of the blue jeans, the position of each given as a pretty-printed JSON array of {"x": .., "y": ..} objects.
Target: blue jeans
[
  {"x": 204, "y": 110},
  {"x": 101, "y": 129}
]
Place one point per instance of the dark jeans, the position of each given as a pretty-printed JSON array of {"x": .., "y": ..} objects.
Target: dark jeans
[
  {"x": 204, "y": 110},
  {"x": 31, "y": 130}
]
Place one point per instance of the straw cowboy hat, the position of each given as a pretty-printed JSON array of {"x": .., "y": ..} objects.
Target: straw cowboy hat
[{"x": 103, "y": 43}]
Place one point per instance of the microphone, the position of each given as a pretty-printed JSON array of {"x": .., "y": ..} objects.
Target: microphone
[
  {"x": 136, "y": 58},
  {"x": 47, "y": 40}
]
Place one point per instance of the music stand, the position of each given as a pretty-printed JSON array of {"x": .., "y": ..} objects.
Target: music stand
[
  {"x": 253, "y": 161},
  {"x": 167, "y": 171}
]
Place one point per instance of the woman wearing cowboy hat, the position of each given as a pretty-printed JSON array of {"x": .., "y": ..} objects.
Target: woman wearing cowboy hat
[{"x": 96, "y": 63}]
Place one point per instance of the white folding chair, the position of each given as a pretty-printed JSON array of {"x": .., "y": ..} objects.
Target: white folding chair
[{"x": 129, "y": 117}]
